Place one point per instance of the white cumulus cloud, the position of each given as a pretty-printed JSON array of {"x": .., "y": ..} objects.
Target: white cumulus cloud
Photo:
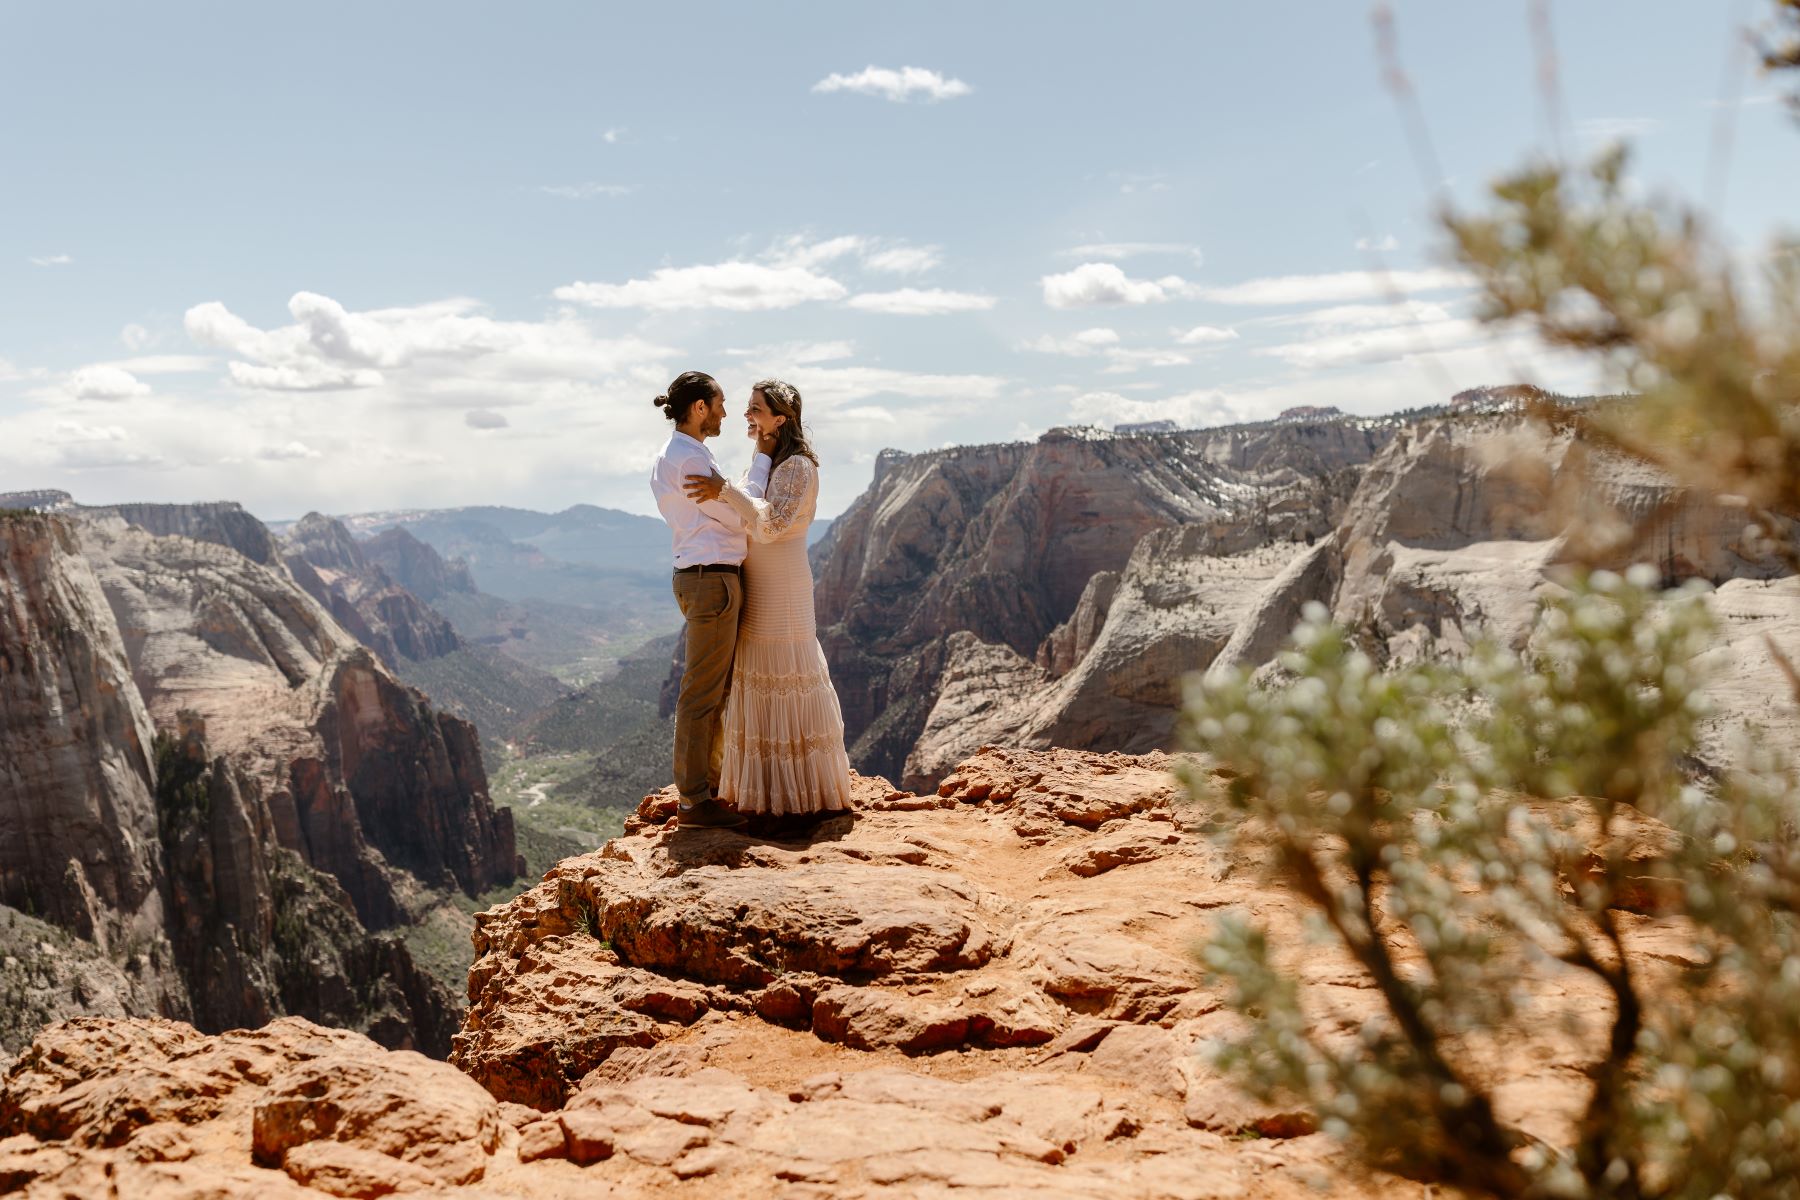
[
  {"x": 898, "y": 86},
  {"x": 1098, "y": 283},
  {"x": 104, "y": 382},
  {"x": 734, "y": 286},
  {"x": 445, "y": 352},
  {"x": 917, "y": 302}
]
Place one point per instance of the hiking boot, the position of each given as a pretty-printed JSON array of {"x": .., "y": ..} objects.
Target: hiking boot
[{"x": 708, "y": 814}]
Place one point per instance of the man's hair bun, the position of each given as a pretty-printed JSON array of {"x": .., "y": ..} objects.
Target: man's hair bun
[{"x": 690, "y": 388}]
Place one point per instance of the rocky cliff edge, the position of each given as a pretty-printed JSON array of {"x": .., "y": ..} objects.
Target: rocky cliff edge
[{"x": 986, "y": 992}]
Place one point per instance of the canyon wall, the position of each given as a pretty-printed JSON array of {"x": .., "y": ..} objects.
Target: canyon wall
[{"x": 213, "y": 784}]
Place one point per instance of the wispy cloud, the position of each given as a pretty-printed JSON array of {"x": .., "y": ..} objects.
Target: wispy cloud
[
  {"x": 798, "y": 250},
  {"x": 904, "y": 260},
  {"x": 1387, "y": 243},
  {"x": 1078, "y": 345},
  {"x": 1754, "y": 100},
  {"x": 1188, "y": 410},
  {"x": 585, "y": 191},
  {"x": 1371, "y": 333},
  {"x": 735, "y": 286},
  {"x": 294, "y": 451},
  {"x": 1096, "y": 283},
  {"x": 1106, "y": 343},
  {"x": 795, "y": 352},
  {"x": 165, "y": 364},
  {"x": 844, "y": 385},
  {"x": 875, "y": 253},
  {"x": 898, "y": 86},
  {"x": 81, "y": 447},
  {"x": 1338, "y": 286},
  {"x": 615, "y": 135},
  {"x": 50, "y": 260},
  {"x": 917, "y": 302},
  {"x": 482, "y": 418},
  {"x": 1612, "y": 129},
  {"x": 1117, "y": 250},
  {"x": 1140, "y": 181}
]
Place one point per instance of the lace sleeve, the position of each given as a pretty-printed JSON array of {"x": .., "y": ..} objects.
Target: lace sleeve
[{"x": 789, "y": 486}]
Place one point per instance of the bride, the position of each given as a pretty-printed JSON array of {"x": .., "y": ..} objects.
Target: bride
[{"x": 784, "y": 731}]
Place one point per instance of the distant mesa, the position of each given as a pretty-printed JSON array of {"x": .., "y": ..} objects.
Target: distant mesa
[
  {"x": 41, "y": 500},
  {"x": 1506, "y": 398},
  {"x": 1146, "y": 427},
  {"x": 1310, "y": 412}
]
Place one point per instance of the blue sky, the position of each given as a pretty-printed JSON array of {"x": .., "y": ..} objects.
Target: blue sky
[{"x": 361, "y": 256}]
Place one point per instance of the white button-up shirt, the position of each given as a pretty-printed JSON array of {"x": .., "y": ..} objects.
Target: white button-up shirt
[{"x": 709, "y": 533}]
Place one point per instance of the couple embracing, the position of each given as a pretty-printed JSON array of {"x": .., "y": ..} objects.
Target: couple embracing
[{"x": 757, "y": 723}]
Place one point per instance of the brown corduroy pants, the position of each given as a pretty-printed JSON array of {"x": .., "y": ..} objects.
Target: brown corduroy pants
[{"x": 711, "y": 601}]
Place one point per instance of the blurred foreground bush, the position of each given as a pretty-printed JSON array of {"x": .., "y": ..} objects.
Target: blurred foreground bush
[{"x": 1408, "y": 807}]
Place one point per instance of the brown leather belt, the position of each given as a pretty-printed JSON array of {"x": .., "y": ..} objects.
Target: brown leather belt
[{"x": 703, "y": 568}]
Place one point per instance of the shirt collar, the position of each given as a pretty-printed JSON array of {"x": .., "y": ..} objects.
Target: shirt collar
[{"x": 689, "y": 438}]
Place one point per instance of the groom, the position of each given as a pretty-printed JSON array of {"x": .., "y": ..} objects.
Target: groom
[{"x": 709, "y": 547}]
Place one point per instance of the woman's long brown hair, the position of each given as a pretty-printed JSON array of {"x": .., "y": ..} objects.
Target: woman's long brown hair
[{"x": 783, "y": 400}]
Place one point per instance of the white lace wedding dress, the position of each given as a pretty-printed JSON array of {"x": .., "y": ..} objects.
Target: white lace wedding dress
[{"x": 784, "y": 731}]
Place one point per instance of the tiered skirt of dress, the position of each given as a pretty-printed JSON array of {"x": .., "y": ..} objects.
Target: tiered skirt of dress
[{"x": 784, "y": 730}]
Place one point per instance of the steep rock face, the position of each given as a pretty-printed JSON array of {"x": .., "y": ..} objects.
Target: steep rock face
[
  {"x": 417, "y": 777},
  {"x": 259, "y": 932},
  {"x": 223, "y": 523},
  {"x": 356, "y": 582},
  {"x": 1069, "y": 642},
  {"x": 1174, "y": 608},
  {"x": 358, "y": 769},
  {"x": 190, "y": 855},
  {"x": 417, "y": 567},
  {"x": 76, "y": 779},
  {"x": 1454, "y": 529},
  {"x": 1001, "y": 541},
  {"x": 1453, "y": 532},
  {"x": 47, "y": 974},
  {"x": 388, "y": 618},
  {"x": 325, "y": 543}
]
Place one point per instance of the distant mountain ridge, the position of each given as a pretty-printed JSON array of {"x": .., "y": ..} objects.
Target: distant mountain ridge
[
  {"x": 414, "y": 640},
  {"x": 1056, "y": 593}
]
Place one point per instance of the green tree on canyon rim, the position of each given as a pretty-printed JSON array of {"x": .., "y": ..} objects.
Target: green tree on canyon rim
[{"x": 1455, "y": 857}]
